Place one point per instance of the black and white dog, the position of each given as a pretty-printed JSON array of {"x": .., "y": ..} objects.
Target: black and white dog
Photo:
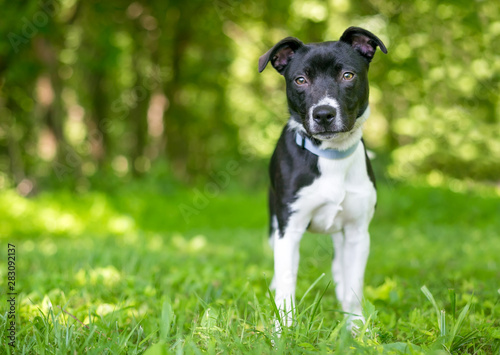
[{"x": 321, "y": 178}]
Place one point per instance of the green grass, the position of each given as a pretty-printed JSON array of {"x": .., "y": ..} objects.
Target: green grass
[{"x": 124, "y": 272}]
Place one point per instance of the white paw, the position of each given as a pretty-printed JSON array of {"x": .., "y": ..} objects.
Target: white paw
[
  {"x": 355, "y": 323},
  {"x": 285, "y": 320}
]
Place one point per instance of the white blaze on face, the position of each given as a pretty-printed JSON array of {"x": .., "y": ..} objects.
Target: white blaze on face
[{"x": 325, "y": 101}]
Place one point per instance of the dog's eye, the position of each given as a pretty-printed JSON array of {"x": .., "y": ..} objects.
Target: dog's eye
[
  {"x": 301, "y": 80},
  {"x": 348, "y": 75}
]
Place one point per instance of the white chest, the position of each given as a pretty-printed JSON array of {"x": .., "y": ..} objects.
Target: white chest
[{"x": 342, "y": 194}]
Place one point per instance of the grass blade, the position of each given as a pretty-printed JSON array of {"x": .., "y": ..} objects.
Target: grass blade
[
  {"x": 316, "y": 306},
  {"x": 454, "y": 341},
  {"x": 167, "y": 317},
  {"x": 461, "y": 317},
  {"x": 430, "y": 297},
  {"x": 274, "y": 307},
  {"x": 310, "y": 288},
  {"x": 442, "y": 323},
  {"x": 462, "y": 340},
  {"x": 453, "y": 301}
]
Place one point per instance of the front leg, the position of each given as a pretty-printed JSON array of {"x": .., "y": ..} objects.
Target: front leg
[
  {"x": 286, "y": 263},
  {"x": 355, "y": 252},
  {"x": 338, "y": 265}
]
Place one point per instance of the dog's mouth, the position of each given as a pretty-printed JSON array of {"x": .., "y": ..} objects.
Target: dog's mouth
[
  {"x": 329, "y": 135},
  {"x": 323, "y": 136}
]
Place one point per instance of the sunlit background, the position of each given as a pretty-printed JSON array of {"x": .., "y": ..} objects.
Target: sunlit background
[{"x": 118, "y": 90}]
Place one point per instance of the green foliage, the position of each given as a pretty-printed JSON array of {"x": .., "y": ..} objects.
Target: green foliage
[
  {"x": 90, "y": 88},
  {"x": 161, "y": 284},
  {"x": 450, "y": 339}
]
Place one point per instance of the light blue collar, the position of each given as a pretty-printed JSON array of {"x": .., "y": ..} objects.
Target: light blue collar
[{"x": 329, "y": 153}]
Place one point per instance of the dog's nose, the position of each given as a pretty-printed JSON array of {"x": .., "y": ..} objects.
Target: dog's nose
[{"x": 324, "y": 114}]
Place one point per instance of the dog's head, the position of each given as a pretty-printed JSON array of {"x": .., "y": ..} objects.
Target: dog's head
[{"x": 326, "y": 83}]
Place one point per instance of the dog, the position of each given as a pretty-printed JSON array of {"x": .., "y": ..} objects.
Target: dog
[{"x": 321, "y": 178}]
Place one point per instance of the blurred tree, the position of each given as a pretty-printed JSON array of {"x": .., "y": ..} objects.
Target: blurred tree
[{"x": 99, "y": 89}]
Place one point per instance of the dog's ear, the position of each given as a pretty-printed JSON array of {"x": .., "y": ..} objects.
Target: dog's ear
[
  {"x": 363, "y": 41},
  {"x": 280, "y": 55}
]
